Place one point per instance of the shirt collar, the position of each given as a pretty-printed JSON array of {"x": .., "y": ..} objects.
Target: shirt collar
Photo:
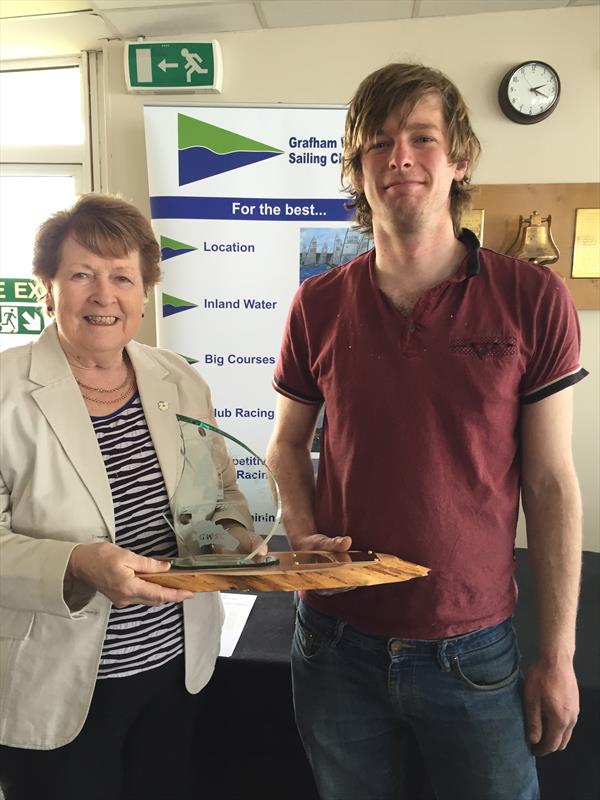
[{"x": 471, "y": 242}]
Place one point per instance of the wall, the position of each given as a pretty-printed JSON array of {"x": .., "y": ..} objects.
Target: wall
[{"x": 323, "y": 65}]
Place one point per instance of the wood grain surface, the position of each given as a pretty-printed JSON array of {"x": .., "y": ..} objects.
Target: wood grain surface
[
  {"x": 504, "y": 203},
  {"x": 288, "y": 576}
]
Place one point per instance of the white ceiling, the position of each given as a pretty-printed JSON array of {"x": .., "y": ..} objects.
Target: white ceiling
[{"x": 45, "y": 28}]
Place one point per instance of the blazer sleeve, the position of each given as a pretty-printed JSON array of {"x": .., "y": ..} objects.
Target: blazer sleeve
[
  {"x": 33, "y": 571},
  {"x": 38, "y": 498}
]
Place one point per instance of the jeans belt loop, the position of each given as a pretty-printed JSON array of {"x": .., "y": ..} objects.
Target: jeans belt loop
[
  {"x": 338, "y": 632},
  {"x": 442, "y": 658}
]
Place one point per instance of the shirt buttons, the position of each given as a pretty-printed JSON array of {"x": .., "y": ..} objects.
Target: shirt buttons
[{"x": 411, "y": 327}]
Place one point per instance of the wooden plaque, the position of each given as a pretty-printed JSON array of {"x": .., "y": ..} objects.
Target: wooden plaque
[{"x": 335, "y": 571}]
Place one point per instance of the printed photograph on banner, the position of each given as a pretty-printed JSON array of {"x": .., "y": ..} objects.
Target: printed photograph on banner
[{"x": 322, "y": 249}]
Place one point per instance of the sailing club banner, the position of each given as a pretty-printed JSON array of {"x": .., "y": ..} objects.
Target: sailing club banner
[{"x": 246, "y": 203}]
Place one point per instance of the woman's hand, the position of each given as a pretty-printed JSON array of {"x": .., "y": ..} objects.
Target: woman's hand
[{"x": 111, "y": 569}]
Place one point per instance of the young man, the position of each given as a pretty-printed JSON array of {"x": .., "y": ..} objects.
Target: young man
[{"x": 446, "y": 374}]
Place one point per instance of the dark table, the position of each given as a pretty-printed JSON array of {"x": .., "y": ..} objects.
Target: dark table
[{"x": 250, "y": 740}]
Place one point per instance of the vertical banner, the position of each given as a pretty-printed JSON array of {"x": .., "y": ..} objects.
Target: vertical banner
[{"x": 245, "y": 203}]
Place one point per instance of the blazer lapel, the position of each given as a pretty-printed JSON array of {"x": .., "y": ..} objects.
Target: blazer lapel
[
  {"x": 60, "y": 401},
  {"x": 160, "y": 401}
]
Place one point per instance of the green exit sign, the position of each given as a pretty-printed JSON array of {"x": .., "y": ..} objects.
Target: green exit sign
[
  {"x": 173, "y": 66},
  {"x": 20, "y": 290}
]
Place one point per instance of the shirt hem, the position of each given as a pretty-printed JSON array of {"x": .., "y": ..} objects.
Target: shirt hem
[{"x": 416, "y": 634}]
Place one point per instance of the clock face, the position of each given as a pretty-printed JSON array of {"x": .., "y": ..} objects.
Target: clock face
[{"x": 529, "y": 92}]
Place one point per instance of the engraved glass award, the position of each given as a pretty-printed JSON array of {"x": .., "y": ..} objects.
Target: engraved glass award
[
  {"x": 225, "y": 509},
  {"x": 216, "y": 526}
]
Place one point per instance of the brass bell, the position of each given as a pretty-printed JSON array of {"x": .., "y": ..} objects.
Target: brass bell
[{"x": 534, "y": 240}]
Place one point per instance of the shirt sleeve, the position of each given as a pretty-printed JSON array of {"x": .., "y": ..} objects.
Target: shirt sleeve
[
  {"x": 554, "y": 364},
  {"x": 293, "y": 377}
]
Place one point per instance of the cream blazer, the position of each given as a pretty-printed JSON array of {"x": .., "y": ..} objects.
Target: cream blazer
[{"x": 54, "y": 494}]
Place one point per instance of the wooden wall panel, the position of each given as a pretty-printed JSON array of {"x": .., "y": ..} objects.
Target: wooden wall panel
[{"x": 503, "y": 203}]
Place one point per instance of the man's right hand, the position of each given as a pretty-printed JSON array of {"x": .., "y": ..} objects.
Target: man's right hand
[
  {"x": 317, "y": 541},
  {"x": 111, "y": 570}
]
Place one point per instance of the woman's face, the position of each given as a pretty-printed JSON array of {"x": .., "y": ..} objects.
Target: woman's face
[{"x": 98, "y": 301}]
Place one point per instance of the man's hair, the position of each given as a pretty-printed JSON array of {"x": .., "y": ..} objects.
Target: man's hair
[
  {"x": 104, "y": 224},
  {"x": 398, "y": 88}
]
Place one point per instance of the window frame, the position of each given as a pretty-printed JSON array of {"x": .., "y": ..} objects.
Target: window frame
[
  {"x": 70, "y": 161},
  {"x": 42, "y": 159}
]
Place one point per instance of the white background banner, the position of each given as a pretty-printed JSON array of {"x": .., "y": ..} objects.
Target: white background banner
[{"x": 245, "y": 202}]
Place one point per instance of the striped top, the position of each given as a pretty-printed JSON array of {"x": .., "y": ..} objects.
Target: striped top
[{"x": 138, "y": 638}]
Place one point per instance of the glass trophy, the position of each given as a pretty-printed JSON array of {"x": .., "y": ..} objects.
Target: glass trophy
[
  {"x": 213, "y": 528},
  {"x": 225, "y": 509}
]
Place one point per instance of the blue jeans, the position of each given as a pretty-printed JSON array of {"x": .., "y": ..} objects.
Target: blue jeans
[{"x": 358, "y": 699}]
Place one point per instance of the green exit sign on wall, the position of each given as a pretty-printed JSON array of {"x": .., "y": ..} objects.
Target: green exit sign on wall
[{"x": 173, "y": 66}]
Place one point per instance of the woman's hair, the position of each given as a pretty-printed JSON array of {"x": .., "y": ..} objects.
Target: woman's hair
[
  {"x": 398, "y": 88},
  {"x": 104, "y": 224}
]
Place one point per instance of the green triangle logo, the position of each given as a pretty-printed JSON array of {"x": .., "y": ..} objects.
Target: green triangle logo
[
  {"x": 174, "y": 305},
  {"x": 197, "y": 133},
  {"x": 189, "y": 359},
  {"x": 206, "y": 150},
  {"x": 169, "y": 248}
]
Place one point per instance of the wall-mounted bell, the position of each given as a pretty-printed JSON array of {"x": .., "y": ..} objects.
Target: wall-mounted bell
[{"x": 534, "y": 240}]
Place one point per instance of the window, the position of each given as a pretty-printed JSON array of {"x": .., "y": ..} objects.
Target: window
[
  {"x": 42, "y": 170},
  {"x": 41, "y": 107}
]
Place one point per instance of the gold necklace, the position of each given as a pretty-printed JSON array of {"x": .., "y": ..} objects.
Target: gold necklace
[
  {"x": 106, "y": 391},
  {"x": 108, "y": 402}
]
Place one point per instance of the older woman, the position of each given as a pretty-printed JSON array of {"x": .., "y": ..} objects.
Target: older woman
[{"x": 95, "y": 662}]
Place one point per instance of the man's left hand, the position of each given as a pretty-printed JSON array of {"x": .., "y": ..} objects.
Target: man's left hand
[
  {"x": 551, "y": 700},
  {"x": 248, "y": 540}
]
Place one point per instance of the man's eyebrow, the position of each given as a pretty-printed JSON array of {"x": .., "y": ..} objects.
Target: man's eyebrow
[
  {"x": 422, "y": 126},
  {"x": 411, "y": 126}
]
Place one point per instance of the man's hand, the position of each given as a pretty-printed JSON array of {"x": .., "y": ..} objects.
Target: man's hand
[
  {"x": 317, "y": 541},
  {"x": 551, "y": 699},
  {"x": 248, "y": 540},
  {"x": 111, "y": 570}
]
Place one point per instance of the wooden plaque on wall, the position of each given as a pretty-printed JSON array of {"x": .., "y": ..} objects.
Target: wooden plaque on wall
[{"x": 503, "y": 203}]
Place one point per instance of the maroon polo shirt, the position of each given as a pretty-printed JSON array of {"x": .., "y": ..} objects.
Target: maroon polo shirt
[{"x": 420, "y": 442}]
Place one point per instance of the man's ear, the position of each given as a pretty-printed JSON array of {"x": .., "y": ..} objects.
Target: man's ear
[{"x": 460, "y": 169}]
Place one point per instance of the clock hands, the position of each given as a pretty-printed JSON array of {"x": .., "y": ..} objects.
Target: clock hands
[
  {"x": 536, "y": 89},
  {"x": 529, "y": 92}
]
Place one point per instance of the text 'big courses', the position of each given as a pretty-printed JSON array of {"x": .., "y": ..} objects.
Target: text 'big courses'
[{"x": 231, "y": 358}]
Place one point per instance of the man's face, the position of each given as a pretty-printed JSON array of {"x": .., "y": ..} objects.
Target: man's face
[{"x": 406, "y": 177}]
